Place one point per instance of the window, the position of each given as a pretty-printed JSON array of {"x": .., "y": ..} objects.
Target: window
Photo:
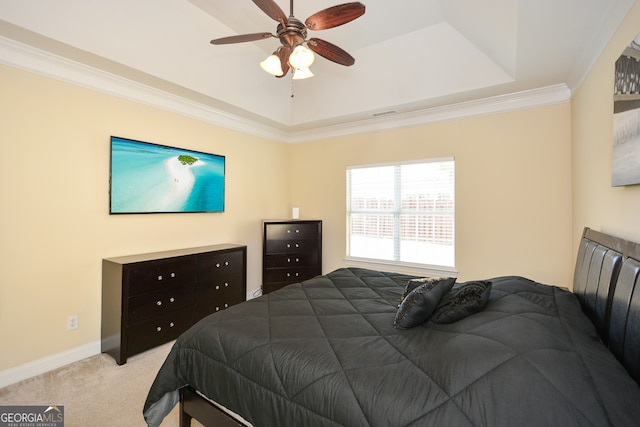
[{"x": 402, "y": 213}]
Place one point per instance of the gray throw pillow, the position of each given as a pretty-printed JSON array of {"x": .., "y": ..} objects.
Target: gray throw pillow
[
  {"x": 421, "y": 300},
  {"x": 414, "y": 283},
  {"x": 462, "y": 301}
]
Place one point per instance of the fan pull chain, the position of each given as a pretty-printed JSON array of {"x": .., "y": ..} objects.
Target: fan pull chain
[{"x": 292, "y": 94}]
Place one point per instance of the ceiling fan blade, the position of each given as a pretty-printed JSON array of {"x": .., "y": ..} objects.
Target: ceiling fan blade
[
  {"x": 283, "y": 54},
  {"x": 335, "y": 16},
  {"x": 272, "y": 9},
  {"x": 242, "y": 38},
  {"x": 330, "y": 52}
]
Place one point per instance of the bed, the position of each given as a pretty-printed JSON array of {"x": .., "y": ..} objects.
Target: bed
[{"x": 326, "y": 352}]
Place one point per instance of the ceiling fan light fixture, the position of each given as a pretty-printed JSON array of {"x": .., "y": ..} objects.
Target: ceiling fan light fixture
[
  {"x": 301, "y": 57},
  {"x": 293, "y": 55},
  {"x": 301, "y": 73},
  {"x": 272, "y": 65}
]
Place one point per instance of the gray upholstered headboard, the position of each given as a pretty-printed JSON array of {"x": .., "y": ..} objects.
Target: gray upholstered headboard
[{"x": 605, "y": 281}]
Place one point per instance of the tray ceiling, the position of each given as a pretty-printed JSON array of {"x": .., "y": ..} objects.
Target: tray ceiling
[{"x": 411, "y": 55}]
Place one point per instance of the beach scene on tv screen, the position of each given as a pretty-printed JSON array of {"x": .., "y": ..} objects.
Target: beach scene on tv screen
[{"x": 150, "y": 178}]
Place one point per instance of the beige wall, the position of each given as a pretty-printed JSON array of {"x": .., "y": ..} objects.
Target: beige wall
[
  {"x": 614, "y": 210},
  {"x": 56, "y": 228},
  {"x": 513, "y": 188},
  {"x": 54, "y": 222}
]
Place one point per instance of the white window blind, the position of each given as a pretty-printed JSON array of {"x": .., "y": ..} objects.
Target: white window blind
[{"x": 402, "y": 213}]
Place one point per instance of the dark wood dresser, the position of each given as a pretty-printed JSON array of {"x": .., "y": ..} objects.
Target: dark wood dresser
[
  {"x": 291, "y": 252},
  {"x": 150, "y": 299}
]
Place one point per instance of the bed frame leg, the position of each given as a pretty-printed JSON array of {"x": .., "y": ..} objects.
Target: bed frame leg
[{"x": 185, "y": 418}]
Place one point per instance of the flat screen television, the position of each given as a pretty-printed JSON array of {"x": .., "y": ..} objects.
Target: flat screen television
[{"x": 154, "y": 178}]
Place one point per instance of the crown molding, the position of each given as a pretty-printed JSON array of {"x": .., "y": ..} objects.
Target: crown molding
[
  {"x": 28, "y": 58},
  {"x": 549, "y": 95},
  {"x": 38, "y": 61}
]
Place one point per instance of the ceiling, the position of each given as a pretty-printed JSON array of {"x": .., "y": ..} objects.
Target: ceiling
[{"x": 411, "y": 55}]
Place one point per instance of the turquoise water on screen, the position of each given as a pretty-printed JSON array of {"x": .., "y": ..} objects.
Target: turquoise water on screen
[{"x": 142, "y": 183}]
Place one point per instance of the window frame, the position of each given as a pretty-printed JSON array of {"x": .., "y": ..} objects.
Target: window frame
[{"x": 392, "y": 265}]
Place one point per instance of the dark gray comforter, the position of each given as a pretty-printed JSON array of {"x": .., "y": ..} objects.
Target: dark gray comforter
[{"x": 325, "y": 353}]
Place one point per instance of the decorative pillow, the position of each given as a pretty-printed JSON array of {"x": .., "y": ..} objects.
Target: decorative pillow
[
  {"x": 462, "y": 301},
  {"x": 422, "y": 298},
  {"x": 414, "y": 283}
]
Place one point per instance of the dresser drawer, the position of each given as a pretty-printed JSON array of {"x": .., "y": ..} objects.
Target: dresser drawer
[
  {"x": 219, "y": 301},
  {"x": 290, "y": 246},
  {"x": 215, "y": 290},
  {"x": 223, "y": 267},
  {"x": 155, "y": 275},
  {"x": 297, "y": 231},
  {"x": 159, "y": 330},
  {"x": 146, "y": 306},
  {"x": 291, "y": 260},
  {"x": 290, "y": 275}
]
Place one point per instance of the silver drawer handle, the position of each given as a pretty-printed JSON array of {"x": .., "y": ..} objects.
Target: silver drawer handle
[
  {"x": 297, "y": 259},
  {"x": 226, "y": 263},
  {"x": 217, "y": 264},
  {"x": 288, "y": 245},
  {"x": 297, "y": 245},
  {"x": 159, "y": 277},
  {"x": 217, "y": 308},
  {"x": 173, "y": 274},
  {"x": 158, "y": 302},
  {"x": 172, "y": 299},
  {"x": 226, "y": 285},
  {"x": 158, "y": 328},
  {"x": 297, "y": 274},
  {"x": 297, "y": 231},
  {"x": 288, "y": 259},
  {"x": 171, "y": 325},
  {"x": 226, "y": 305},
  {"x": 217, "y": 287}
]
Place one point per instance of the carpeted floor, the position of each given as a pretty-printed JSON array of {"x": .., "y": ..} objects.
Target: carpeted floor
[{"x": 96, "y": 391}]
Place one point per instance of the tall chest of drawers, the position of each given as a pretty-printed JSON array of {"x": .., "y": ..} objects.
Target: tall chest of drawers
[
  {"x": 291, "y": 252},
  {"x": 150, "y": 299}
]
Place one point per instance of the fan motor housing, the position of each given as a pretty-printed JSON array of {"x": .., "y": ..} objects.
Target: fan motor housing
[{"x": 293, "y": 33}]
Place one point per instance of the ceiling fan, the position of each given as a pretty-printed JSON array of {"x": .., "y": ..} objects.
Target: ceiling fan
[{"x": 293, "y": 36}]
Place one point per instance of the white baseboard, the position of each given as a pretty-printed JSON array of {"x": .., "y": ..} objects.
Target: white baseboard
[{"x": 46, "y": 364}]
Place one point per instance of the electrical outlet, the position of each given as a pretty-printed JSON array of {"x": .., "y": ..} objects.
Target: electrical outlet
[{"x": 72, "y": 322}]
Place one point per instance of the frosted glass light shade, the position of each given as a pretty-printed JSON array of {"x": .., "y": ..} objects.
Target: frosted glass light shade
[
  {"x": 272, "y": 65},
  {"x": 301, "y": 57},
  {"x": 302, "y": 73}
]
